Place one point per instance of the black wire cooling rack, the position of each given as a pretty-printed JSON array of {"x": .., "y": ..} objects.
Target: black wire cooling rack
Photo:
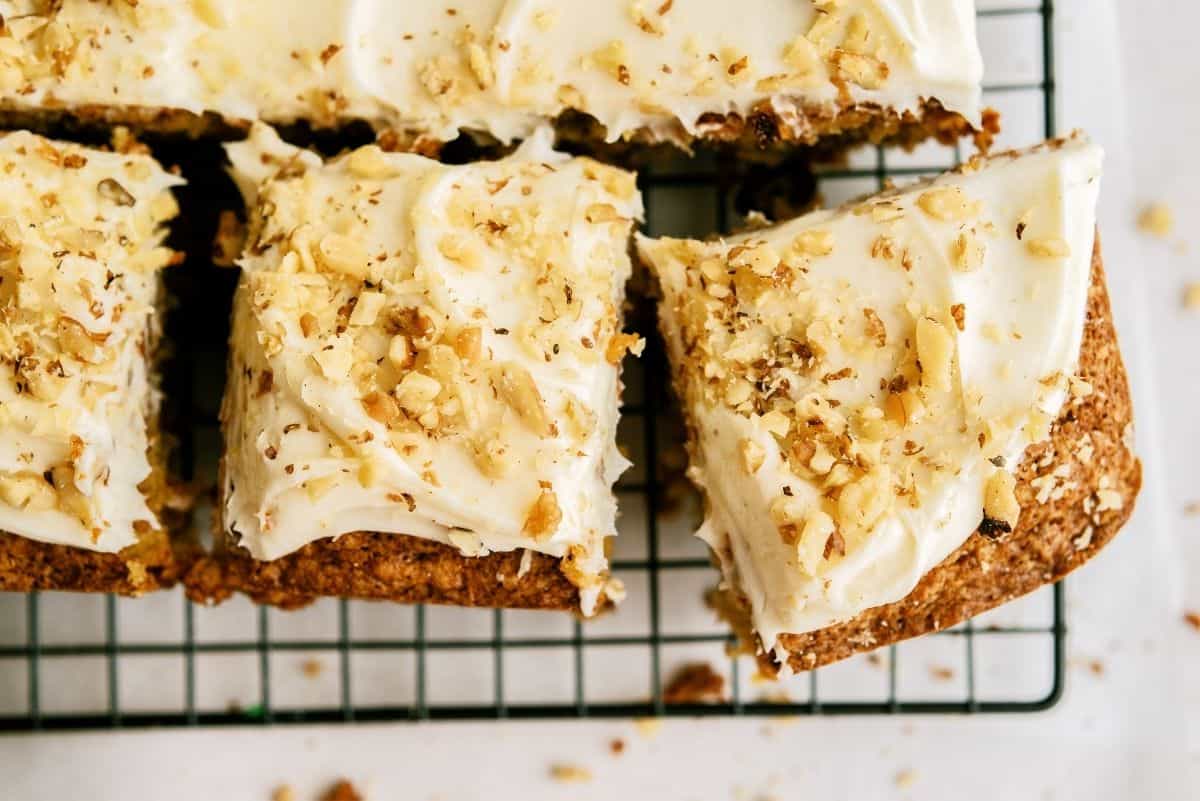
[{"x": 75, "y": 661}]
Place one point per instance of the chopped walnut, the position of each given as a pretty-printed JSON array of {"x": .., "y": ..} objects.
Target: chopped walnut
[
  {"x": 343, "y": 255},
  {"x": 27, "y": 491},
  {"x": 752, "y": 455},
  {"x": 1000, "y": 506},
  {"x": 621, "y": 344},
  {"x": 935, "y": 350},
  {"x": 1049, "y": 248},
  {"x": 949, "y": 204},
  {"x": 968, "y": 252},
  {"x": 515, "y": 386},
  {"x": 864, "y": 70},
  {"x": 543, "y": 517},
  {"x": 876, "y": 330},
  {"x": 613, "y": 58}
]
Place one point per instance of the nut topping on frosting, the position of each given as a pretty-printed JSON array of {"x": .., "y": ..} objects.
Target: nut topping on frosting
[
  {"x": 80, "y": 251},
  {"x": 853, "y": 423},
  {"x": 502, "y": 66},
  {"x": 448, "y": 336}
]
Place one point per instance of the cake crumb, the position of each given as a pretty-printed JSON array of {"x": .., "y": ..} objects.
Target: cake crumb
[
  {"x": 342, "y": 790},
  {"x": 1096, "y": 667},
  {"x": 648, "y": 728},
  {"x": 283, "y": 792},
  {"x": 1191, "y": 296},
  {"x": 941, "y": 672},
  {"x": 1157, "y": 220},
  {"x": 906, "y": 778},
  {"x": 616, "y": 746},
  {"x": 570, "y": 774},
  {"x": 1192, "y": 509},
  {"x": 695, "y": 683},
  {"x": 312, "y": 668},
  {"x": 1192, "y": 619}
]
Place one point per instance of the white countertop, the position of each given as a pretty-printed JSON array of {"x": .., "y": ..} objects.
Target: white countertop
[{"x": 1130, "y": 732}]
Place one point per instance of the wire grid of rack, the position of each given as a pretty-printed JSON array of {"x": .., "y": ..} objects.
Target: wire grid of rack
[{"x": 76, "y": 661}]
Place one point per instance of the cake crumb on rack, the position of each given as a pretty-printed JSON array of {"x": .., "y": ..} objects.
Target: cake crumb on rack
[
  {"x": 1157, "y": 219},
  {"x": 568, "y": 773},
  {"x": 695, "y": 683},
  {"x": 312, "y": 668}
]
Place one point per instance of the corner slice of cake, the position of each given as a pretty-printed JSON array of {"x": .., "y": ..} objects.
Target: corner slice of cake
[
  {"x": 424, "y": 382},
  {"x": 82, "y": 475},
  {"x": 767, "y": 71},
  {"x": 904, "y": 411}
]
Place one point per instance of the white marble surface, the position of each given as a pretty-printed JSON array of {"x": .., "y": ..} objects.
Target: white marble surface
[{"x": 1128, "y": 71}]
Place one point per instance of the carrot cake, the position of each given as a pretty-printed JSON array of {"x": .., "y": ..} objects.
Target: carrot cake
[
  {"x": 773, "y": 70},
  {"x": 82, "y": 480},
  {"x": 424, "y": 382},
  {"x": 904, "y": 411}
]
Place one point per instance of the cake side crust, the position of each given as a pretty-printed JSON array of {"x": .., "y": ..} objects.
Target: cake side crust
[
  {"x": 27, "y": 565},
  {"x": 382, "y": 566},
  {"x": 830, "y": 132}
]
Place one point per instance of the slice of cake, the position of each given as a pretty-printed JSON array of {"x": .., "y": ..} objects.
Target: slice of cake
[
  {"x": 907, "y": 410},
  {"x": 82, "y": 478},
  {"x": 770, "y": 70},
  {"x": 424, "y": 384}
]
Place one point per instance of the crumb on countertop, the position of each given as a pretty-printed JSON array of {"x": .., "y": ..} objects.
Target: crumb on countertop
[
  {"x": 941, "y": 673},
  {"x": 1191, "y": 296},
  {"x": 695, "y": 683},
  {"x": 283, "y": 792},
  {"x": 1157, "y": 219},
  {"x": 568, "y": 773},
  {"x": 342, "y": 790},
  {"x": 1192, "y": 619},
  {"x": 616, "y": 746},
  {"x": 1192, "y": 509},
  {"x": 906, "y": 778},
  {"x": 648, "y": 728}
]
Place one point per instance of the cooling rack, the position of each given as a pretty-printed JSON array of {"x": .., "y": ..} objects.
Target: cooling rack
[{"x": 77, "y": 661}]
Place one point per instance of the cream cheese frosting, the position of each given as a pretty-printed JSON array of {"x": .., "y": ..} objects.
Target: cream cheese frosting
[
  {"x": 430, "y": 350},
  {"x": 501, "y": 66},
  {"x": 861, "y": 383},
  {"x": 80, "y": 254}
]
